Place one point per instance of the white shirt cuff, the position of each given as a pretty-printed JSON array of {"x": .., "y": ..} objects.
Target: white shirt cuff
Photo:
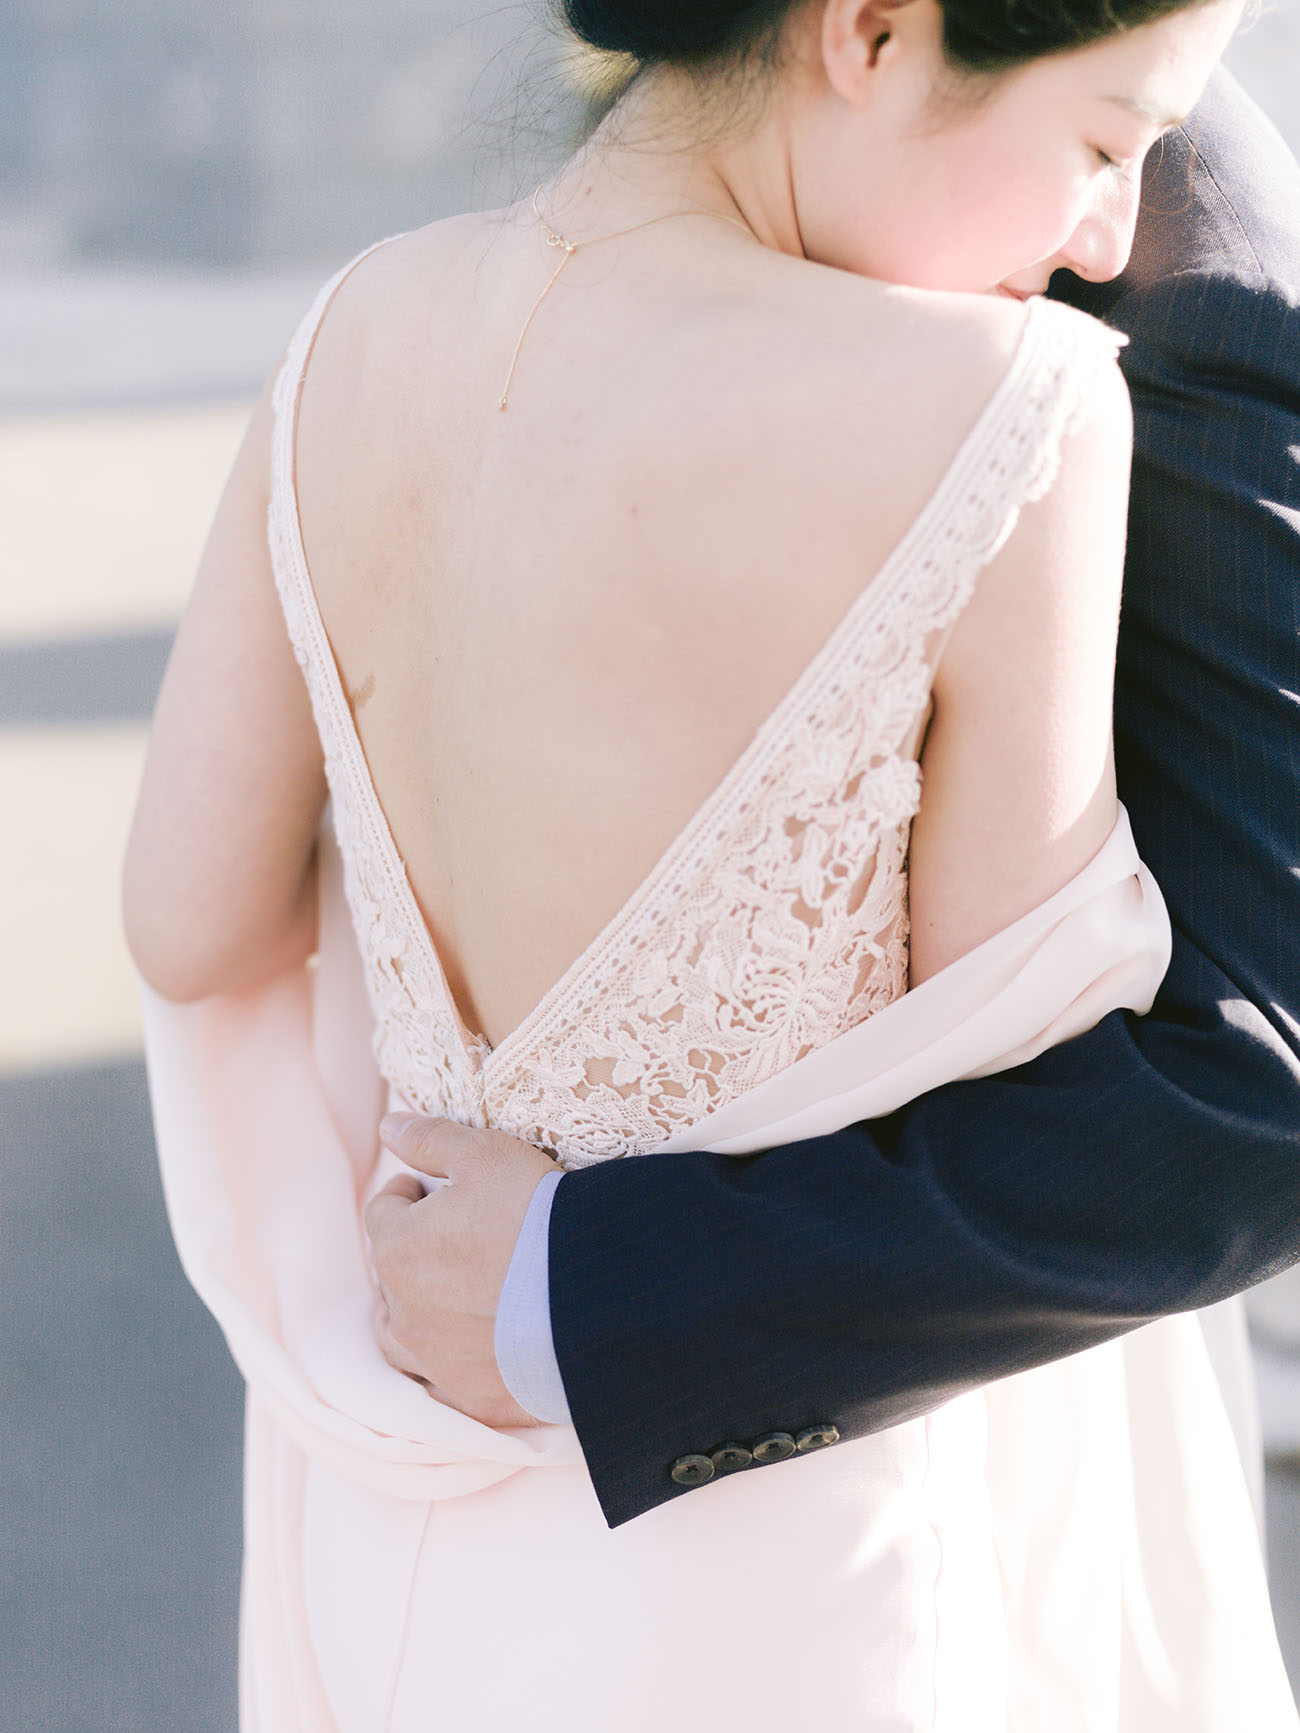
[{"x": 522, "y": 1338}]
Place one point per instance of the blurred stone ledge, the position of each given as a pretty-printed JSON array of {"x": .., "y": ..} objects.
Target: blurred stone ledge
[
  {"x": 99, "y": 677},
  {"x": 135, "y": 339}
]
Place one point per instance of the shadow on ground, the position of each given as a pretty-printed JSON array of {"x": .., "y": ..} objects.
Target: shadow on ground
[{"x": 120, "y": 1432}]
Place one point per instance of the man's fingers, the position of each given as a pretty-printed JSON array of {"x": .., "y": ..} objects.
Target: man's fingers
[
  {"x": 428, "y": 1145},
  {"x": 441, "y": 1148}
]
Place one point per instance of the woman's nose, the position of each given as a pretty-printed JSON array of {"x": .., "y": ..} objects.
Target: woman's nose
[{"x": 1099, "y": 248}]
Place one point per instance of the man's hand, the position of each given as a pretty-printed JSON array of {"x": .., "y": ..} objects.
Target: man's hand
[{"x": 441, "y": 1259}]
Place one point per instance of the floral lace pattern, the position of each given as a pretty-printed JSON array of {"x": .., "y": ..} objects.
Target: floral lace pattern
[{"x": 777, "y": 919}]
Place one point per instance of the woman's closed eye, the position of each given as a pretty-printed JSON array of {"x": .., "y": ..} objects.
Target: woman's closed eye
[{"x": 1126, "y": 161}]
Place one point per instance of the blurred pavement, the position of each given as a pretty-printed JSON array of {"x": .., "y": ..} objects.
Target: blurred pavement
[
  {"x": 122, "y": 400},
  {"x": 120, "y": 1431}
]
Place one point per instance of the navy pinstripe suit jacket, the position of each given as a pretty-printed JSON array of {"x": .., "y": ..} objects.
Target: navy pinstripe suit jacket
[{"x": 1150, "y": 1166}]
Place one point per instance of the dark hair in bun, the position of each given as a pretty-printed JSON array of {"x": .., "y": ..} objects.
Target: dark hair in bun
[
  {"x": 979, "y": 36},
  {"x": 679, "y": 32}
]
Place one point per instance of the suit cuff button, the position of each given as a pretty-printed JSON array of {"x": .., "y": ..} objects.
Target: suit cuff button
[
  {"x": 727, "y": 1458},
  {"x": 692, "y": 1470},
  {"x": 773, "y": 1447},
  {"x": 817, "y": 1437}
]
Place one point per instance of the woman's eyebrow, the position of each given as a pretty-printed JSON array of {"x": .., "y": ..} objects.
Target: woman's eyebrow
[{"x": 1144, "y": 111}]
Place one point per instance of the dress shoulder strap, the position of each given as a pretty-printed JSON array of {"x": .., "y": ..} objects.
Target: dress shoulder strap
[
  {"x": 1064, "y": 356},
  {"x": 293, "y": 583},
  {"x": 288, "y": 385},
  {"x": 1010, "y": 459},
  {"x": 416, "y": 1029}
]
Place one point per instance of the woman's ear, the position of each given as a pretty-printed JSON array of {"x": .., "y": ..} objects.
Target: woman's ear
[{"x": 862, "y": 38}]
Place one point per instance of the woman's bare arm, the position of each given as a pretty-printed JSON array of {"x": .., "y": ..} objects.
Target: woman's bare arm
[
  {"x": 219, "y": 887},
  {"x": 1019, "y": 787}
]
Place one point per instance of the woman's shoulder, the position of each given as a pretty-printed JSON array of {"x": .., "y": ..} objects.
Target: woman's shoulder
[
  {"x": 884, "y": 384},
  {"x": 1033, "y": 379},
  {"x": 846, "y": 358},
  {"x": 399, "y": 270},
  {"x": 848, "y": 331},
  {"x": 958, "y": 345}
]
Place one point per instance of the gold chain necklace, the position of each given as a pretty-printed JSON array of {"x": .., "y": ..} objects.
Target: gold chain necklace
[{"x": 568, "y": 248}]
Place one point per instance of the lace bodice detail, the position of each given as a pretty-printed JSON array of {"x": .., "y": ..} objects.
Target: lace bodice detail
[{"x": 777, "y": 919}]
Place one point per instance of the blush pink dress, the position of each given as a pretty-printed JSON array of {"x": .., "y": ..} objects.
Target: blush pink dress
[{"x": 1072, "y": 1550}]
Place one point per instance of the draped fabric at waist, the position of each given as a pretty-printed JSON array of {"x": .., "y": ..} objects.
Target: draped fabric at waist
[{"x": 266, "y": 1104}]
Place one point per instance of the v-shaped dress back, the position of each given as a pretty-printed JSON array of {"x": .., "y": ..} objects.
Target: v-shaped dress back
[{"x": 777, "y": 917}]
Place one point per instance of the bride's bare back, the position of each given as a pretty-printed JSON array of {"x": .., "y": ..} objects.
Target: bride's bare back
[{"x": 560, "y": 626}]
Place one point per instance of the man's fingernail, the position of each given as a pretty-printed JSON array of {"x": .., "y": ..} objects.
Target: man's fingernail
[{"x": 392, "y": 1125}]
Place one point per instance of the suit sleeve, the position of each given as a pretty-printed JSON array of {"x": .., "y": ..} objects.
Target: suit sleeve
[{"x": 1150, "y": 1166}]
